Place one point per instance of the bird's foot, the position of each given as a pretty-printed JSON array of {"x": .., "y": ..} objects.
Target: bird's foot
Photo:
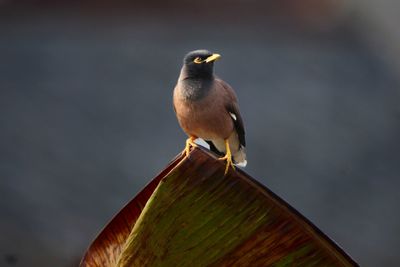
[
  {"x": 228, "y": 158},
  {"x": 229, "y": 163},
  {"x": 189, "y": 144}
]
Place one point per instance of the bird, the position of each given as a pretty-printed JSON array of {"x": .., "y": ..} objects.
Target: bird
[{"x": 207, "y": 107}]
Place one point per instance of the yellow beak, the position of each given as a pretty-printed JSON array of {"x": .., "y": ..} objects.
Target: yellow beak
[{"x": 212, "y": 58}]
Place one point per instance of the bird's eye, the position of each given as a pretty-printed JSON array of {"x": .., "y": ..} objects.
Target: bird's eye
[{"x": 198, "y": 60}]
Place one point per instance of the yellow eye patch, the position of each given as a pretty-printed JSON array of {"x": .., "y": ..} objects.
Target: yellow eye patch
[{"x": 198, "y": 60}]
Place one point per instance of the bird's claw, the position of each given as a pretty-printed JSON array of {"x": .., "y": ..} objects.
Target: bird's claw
[
  {"x": 228, "y": 158},
  {"x": 229, "y": 163},
  {"x": 189, "y": 144}
]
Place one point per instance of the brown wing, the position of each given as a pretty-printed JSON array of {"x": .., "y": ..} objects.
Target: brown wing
[{"x": 232, "y": 107}]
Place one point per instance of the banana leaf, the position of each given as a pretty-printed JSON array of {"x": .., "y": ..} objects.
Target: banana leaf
[{"x": 191, "y": 214}]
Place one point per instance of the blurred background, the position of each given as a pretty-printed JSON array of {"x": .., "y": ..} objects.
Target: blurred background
[{"x": 86, "y": 118}]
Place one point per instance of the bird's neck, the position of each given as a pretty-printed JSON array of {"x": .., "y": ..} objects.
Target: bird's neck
[{"x": 194, "y": 88}]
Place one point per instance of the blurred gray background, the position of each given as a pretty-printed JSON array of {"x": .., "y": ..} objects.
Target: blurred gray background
[{"x": 86, "y": 118}]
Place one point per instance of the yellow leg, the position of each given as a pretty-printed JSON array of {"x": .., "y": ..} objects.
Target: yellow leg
[
  {"x": 228, "y": 157},
  {"x": 189, "y": 143}
]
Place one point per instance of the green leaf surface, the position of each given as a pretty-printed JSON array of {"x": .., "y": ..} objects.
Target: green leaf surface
[{"x": 194, "y": 215}]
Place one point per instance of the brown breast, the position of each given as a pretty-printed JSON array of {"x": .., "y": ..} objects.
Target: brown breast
[{"x": 206, "y": 118}]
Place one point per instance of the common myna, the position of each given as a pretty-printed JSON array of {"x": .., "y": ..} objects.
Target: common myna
[{"x": 207, "y": 108}]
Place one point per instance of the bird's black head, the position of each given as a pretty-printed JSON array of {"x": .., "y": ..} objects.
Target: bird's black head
[{"x": 200, "y": 64}]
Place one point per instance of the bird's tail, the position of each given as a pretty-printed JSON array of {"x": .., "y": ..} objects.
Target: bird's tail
[{"x": 239, "y": 158}]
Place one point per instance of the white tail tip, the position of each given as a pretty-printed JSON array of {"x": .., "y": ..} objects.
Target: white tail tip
[{"x": 242, "y": 164}]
